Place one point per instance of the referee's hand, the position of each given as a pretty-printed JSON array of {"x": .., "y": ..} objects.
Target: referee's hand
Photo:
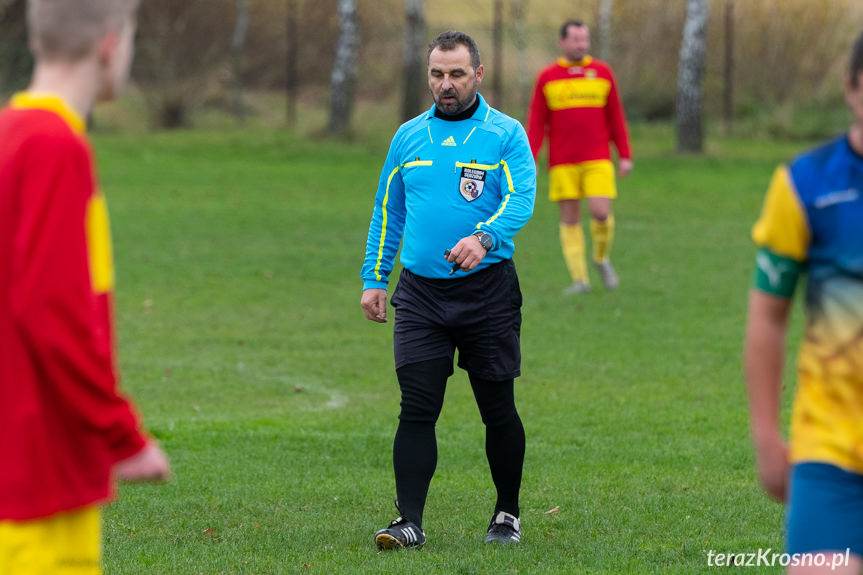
[
  {"x": 374, "y": 304},
  {"x": 467, "y": 253}
]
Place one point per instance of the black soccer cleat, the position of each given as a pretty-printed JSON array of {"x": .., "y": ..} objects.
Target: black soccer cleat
[
  {"x": 400, "y": 533},
  {"x": 504, "y": 528}
]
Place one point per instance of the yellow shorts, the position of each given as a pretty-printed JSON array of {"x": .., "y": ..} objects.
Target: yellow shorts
[
  {"x": 584, "y": 180},
  {"x": 64, "y": 544}
]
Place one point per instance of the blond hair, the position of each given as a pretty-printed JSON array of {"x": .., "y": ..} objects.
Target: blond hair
[{"x": 69, "y": 29}]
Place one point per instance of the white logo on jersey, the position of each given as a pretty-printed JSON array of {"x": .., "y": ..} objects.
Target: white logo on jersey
[
  {"x": 471, "y": 183},
  {"x": 773, "y": 272},
  {"x": 837, "y": 197},
  {"x": 449, "y": 142}
]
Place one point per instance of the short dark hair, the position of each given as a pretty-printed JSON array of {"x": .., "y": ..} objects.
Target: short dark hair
[
  {"x": 855, "y": 64},
  {"x": 564, "y": 30},
  {"x": 447, "y": 41}
]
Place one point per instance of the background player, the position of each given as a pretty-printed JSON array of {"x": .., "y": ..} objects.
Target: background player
[{"x": 575, "y": 101}]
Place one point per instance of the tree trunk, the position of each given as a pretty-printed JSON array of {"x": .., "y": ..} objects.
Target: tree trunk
[
  {"x": 690, "y": 73},
  {"x": 605, "y": 8},
  {"x": 344, "y": 69},
  {"x": 237, "y": 43},
  {"x": 728, "y": 71},
  {"x": 413, "y": 65},
  {"x": 291, "y": 49},
  {"x": 518, "y": 11},
  {"x": 497, "y": 55}
]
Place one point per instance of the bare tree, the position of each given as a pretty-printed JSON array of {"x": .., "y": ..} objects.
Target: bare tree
[
  {"x": 291, "y": 50},
  {"x": 412, "y": 58},
  {"x": 180, "y": 55},
  {"x": 237, "y": 43},
  {"x": 15, "y": 59},
  {"x": 497, "y": 55},
  {"x": 728, "y": 71},
  {"x": 690, "y": 74},
  {"x": 344, "y": 68},
  {"x": 605, "y": 7},
  {"x": 519, "y": 7}
]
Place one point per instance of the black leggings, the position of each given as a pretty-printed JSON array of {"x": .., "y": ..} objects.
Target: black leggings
[{"x": 415, "y": 447}]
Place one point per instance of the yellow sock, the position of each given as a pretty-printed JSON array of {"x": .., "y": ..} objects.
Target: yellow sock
[
  {"x": 572, "y": 242},
  {"x": 602, "y": 234}
]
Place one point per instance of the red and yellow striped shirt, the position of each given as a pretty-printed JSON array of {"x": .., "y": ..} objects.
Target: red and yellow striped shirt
[{"x": 577, "y": 105}]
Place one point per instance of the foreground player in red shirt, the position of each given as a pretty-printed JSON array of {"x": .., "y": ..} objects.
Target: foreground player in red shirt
[
  {"x": 576, "y": 103},
  {"x": 64, "y": 427}
]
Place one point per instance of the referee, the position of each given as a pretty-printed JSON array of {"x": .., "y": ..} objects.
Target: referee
[{"x": 458, "y": 183}]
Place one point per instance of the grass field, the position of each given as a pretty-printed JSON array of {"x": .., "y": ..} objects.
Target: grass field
[{"x": 242, "y": 340}]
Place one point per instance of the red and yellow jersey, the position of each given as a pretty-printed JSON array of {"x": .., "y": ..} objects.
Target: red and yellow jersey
[
  {"x": 577, "y": 105},
  {"x": 811, "y": 224},
  {"x": 63, "y": 423}
]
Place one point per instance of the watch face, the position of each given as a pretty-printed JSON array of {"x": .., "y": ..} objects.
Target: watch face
[{"x": 484, "y": 240}]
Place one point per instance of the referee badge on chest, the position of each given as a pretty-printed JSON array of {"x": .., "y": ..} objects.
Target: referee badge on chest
[{"x": 471, "y": 183}]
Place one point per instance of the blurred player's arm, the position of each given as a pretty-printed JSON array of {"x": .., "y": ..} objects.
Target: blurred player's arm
[
  {"x": 537, "y": 118},
  {"x": 56, "y": 303},
  {"x": 764, "y": 358},
  {"x": 616, "y": 120},
  {"x": 783, "y": 237}
]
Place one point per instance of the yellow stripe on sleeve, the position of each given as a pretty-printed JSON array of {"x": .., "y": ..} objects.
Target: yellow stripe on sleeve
[
  {"x": 378, "y": 276},
  {"x": 99, "y": 245},
  {"x": 505, "y": 199},
  {"x": 782, "y": 227}
]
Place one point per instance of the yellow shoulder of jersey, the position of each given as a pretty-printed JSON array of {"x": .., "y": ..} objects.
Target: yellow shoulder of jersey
[{"x": 782, "y": 227}]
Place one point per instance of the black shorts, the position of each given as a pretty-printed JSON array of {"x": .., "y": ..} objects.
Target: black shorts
[{"x": 480, "y": 314}]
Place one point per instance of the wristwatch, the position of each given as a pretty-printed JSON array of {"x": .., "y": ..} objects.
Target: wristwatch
[{"x": 485, "y": 240}]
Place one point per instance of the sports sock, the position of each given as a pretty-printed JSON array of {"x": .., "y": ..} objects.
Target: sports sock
[
  {"x": 414, "y": 461},
  {"x": 422, "y": 385},
  {"x": 572, "y": 242},
  {"x": 602, "y": 234},
  {"x": 504, "y": 448},
  {"x": 504, "y": 440}
]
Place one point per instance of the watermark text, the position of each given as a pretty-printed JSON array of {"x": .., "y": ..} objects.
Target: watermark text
[{"x": 769, "y": 558}]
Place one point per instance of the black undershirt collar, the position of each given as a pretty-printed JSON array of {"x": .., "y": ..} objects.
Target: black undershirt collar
[{"x": 461, "y": 115}]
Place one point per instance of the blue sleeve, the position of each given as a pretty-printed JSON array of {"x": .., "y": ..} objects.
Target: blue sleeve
[
  {"x": 519, "y": 193},
  {"x": 387, "y": 225}
]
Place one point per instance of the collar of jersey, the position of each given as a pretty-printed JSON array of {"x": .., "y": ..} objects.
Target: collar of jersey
[
  {"x": 568, "y": 64},
  {"x": 49, "y": 103},
  {"x": 480, "y": 115}
]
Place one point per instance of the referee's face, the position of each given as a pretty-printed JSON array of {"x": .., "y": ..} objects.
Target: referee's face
[{"x": 452, "y": 80}]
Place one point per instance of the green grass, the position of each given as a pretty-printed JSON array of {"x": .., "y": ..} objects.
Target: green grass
[{"x": 243, "y": 343}]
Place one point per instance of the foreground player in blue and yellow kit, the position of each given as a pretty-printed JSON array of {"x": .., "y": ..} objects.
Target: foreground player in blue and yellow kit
[
  {"x": 458, "y": 183},
  {"x": 812, "y": 222}
]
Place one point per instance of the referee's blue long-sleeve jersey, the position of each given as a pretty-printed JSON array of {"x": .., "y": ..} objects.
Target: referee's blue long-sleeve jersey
[{"x": 443, "y": 181}]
